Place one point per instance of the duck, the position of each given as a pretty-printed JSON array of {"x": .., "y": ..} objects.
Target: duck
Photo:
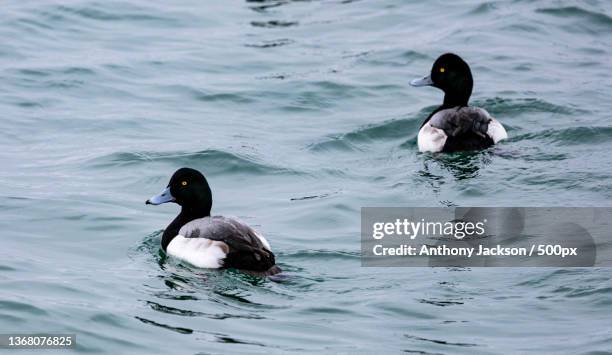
[
  {"x": 456, "y": 126},
  {"x": 205, "y": 241}
]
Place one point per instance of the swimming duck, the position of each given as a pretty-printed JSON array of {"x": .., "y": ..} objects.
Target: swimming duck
[
  {"x": 210, "y": 241},
  {"x": 455, "y": 126}
]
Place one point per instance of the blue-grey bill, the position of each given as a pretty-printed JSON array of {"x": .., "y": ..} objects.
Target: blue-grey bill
[
  {"x": 424, "y": 81},
  {"x": 162, "y": 197}
]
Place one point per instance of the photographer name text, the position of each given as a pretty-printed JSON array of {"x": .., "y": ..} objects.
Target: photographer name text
[{"x": 480, "y": 250}]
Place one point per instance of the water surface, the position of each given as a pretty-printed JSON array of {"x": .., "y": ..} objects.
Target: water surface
[{"x": 299, "y": 113}]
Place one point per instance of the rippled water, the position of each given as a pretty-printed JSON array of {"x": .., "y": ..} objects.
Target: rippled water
[{"x": 299, "y": 113}]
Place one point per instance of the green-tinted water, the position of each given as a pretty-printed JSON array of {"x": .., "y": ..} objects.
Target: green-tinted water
[{"x": 299, "y": 113}]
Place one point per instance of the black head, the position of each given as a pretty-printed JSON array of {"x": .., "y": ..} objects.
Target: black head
[
  {"x": 188, "y": 188},
  {"x": 452, "y": 75}
]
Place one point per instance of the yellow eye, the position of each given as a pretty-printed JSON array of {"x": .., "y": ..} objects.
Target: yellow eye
[
  {"x": 442, "y": 70},
  {"x": 184, "y": 183}
]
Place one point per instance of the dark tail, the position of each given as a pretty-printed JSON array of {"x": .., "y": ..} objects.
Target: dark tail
[{"x": 271, "y": 271}]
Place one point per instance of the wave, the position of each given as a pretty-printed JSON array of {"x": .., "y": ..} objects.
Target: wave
[
  {"x": 321, "y": 254},
  {"x": 569, "y": 136},
  {"x": 113, "y": 14},
  {"x": 589, "y": 17},
  {"x": 273, "y": 24},
  {"x": 215, "y": 161},
  {"x": 572, "y": 283},
  {"x": 271, "y": 43},
  {"x": 406, "y": 128},
  {"x": 502, "y": 107}
]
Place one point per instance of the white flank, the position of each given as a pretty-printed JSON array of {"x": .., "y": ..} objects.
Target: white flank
[
  {"x": 263, "y": 240},
  {"x": 496, "y": 131},
  {"x": 431, "y": 139},
  {"x": 200, "y": 252}
]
